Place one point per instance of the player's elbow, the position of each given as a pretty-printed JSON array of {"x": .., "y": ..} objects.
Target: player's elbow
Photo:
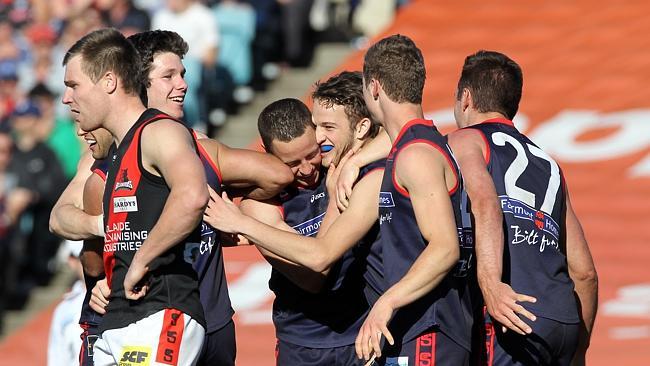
[
  {"x": 276, "y": 181},
  {"x": 587, "y": 276},
  {"x": 451, "y": 256},
  {"x": 54, "y": 225},
  {"x": 319, "y": 262},
  {"x": 195, "y": 200},
  {"x": 282, "y": 178}
]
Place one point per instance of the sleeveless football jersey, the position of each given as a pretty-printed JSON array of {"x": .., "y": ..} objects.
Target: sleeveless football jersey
[
  {"x": 206, "y": 255},
  {"x": 133, "y": 202},
  {"x": 374, "y": 273},
  {"x": 448, "y": 307},
  {"x": 332, "y": 317},
  {"x": 531, "y": 193}
]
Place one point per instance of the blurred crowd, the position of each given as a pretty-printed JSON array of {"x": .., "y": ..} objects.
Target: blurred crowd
[{"x": 236, "y": 47}]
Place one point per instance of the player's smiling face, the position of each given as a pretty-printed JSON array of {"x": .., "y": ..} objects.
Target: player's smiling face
[
  {"x": 333, "y": 132},
  {"x": 302, "y": 155},
  {"x": 167, "y": 86},
  {"x": 99, "y": 141}
]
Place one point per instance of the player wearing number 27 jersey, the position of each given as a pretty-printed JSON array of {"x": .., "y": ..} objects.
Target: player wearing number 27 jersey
[{"x": 533, "y": 263}]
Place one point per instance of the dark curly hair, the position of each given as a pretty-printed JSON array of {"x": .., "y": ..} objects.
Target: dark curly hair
[
  {"x": 150, "y": 43},
  {"x": 345, "y": 89}
]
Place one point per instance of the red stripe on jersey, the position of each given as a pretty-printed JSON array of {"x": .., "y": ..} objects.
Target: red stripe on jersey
[
  {"x": 171, "y": 335},
  {"x": 100, "y": 173},
  {"x": 500, "y": 120},
  {"x": 488, "y": 352},
  {"x": 401, "y": 189},
  {"x": 206, "y": 156},
  {"x": 487, "y": 147},
  {"x": 425, "y": 346},
  {"x": 410, "y": 124},
  {"x": 129, "y": 171}
]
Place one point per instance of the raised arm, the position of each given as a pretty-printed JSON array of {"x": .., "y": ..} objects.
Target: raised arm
[
  {"x": 259, "y": 175},
  {"x": 428, "y": 190},
  {"x": 177, "y": 161},
  {"x": 501, "y": 301},
  {"x": 583, "y": 273},
  {"x": 68, "y": 219}
]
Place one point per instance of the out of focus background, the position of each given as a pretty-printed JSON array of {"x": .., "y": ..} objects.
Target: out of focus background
[{"x": 586, "y": 101}]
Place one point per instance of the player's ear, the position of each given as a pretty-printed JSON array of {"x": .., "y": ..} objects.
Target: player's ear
[
  {"x": 466, "y": 100},
  {"x": 109, "y": 82},
  {"x": 362, "y": 128},
  {"x": 375, "y": 87}
]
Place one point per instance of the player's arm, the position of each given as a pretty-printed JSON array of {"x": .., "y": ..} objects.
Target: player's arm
[
  {"x": 501, "y": 301},
  {"x": 68, "y": 219},
  {"x": 317, "y": 254},
  {"x": 583, "y": 273},
  {"x": 373, "y": 150},
  {"x": 92, "y": 251},
  {"x": 261, "y": 175},
  {"x": 429, "y": 194},
  {"x": 177, "y": 161},
  {"x": 269, "y": 213}
]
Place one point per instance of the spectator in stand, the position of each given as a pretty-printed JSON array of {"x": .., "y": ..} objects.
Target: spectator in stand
[
  {"x": 40, "y": 168},
  {"x": 58, "y": 132},
  {"x": 266, "y": 45},
  {"x": 236, "y": 21},
  {"x": 296, "y": 32},
  {"x": 41, "y": 67},
  {"x": 64, "y": 342},
  {"x": 8, "y": 90},
  {"x": 13, "y": 200},
  {"x": 125, "y": 16}
]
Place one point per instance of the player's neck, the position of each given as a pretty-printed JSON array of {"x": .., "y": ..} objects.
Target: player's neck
[
  {"x": 477, "y": 118},
  {"x": 123, "y": 118},
  {"x": 398, "y": 115}
]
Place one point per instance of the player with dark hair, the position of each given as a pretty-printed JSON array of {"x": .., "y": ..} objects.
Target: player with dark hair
[
  {"x": 534, "y": 266},
  {"x": 340, "y": 251}
]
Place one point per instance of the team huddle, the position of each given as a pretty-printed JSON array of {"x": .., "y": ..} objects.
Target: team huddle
[{"x": 390, "y": 243}]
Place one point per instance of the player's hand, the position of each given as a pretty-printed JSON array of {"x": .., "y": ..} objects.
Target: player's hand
[
  {"x": 369, "y": 339},
  {"x": 99, "y": 296},
  {"x": 222, "y": 214},
  {"x": 135, "y": 287},
  {"x": 347, "y": 176},
  {"x": 503, "y": 305},
  {"x": 330, "y": 181}
]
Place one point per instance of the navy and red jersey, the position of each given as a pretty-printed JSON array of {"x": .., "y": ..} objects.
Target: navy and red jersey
[
  {"x": 206, "y": 255},
  {"x": 374, "y": 273},
  {"x": 88, "y": 315},
  {"x": 133, "y": 201},
  {"x": 531, "y": 193},
  {"x": 448, "y": 307},
  {"x": 332, "y": 317}
]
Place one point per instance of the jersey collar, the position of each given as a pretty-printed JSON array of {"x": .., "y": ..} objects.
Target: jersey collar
[{"x": 499, "y": 120}]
